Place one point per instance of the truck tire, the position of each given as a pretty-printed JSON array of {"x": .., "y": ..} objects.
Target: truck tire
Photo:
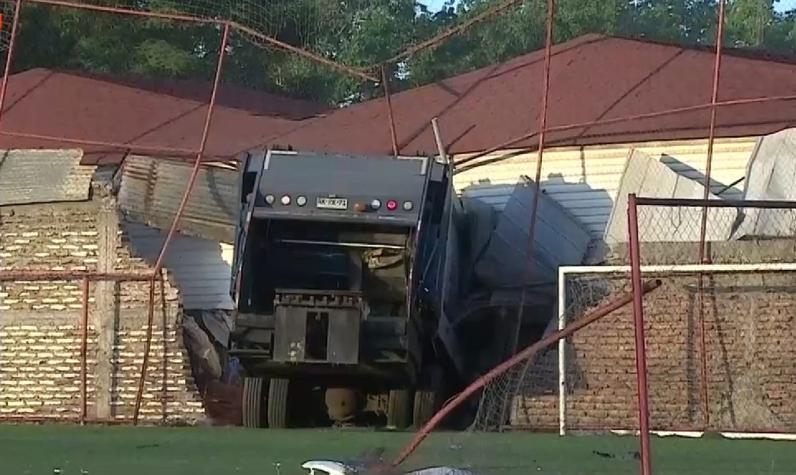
[
  {"x": 425, "y": 406},
  {"x": 251, "y": 403},
  {"x": 398, "y": 408},
  {"x": 277, "y": 403}
]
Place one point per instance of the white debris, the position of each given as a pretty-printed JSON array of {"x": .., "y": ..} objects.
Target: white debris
[{"x": 328, "y": 467}]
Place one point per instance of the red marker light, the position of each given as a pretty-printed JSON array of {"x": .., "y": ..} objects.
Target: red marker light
[{"x": 392, "y": 205}]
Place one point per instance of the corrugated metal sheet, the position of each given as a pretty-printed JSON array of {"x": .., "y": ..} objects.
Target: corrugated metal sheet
[
  {"x": 201, "y": 268},
  {"x": 647, "y": 176},
  {"x": 151, "y": 191},
  {"x": 559, "y": 240},
  {"x": 585, "y": 180},
  {"x": 43, "y": 176},
  {"x": 772, "y": 175}
]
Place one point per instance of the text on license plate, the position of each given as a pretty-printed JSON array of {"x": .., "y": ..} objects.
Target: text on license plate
[{"x": 332, "y": 203}]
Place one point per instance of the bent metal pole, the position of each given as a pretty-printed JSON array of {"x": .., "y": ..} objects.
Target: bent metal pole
[
  {"x": 515, "y": 360},
  {"x": 703, "y": 258},
  {"x": 173, "y": 230}
]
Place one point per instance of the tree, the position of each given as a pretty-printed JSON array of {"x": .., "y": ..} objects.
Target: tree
[
  {"x": 781, "y": 35},
  {"x": 687, "y": 22},
  {"x": 748, "y": 21},
  {"x": 361, "y": 33},
  {"x": 515, "y": 32}
]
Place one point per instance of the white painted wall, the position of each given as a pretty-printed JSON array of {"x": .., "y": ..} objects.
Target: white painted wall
[{"x": 585, "y": 180}]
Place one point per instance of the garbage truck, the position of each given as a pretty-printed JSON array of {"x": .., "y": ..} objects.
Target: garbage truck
[{"x": 345, "y": 270}]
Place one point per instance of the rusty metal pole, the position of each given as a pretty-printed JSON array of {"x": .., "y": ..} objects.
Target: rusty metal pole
[
  {"x": 619, "y": 120},
  {"x": 173, "y": 230},
  {"x": 76, "y": 5},
  {"x": 10, "y": 55},
  {"x": 515, "y": 360},
  {"x": 703, "y": 258},
  {"x": 127, "y": 147},
  {"x": 638, "y": 323},
  {"x": 548, "y": 49},
  {"x": 147, "y": 347},
  {"x": 385, "y": 80},
  {"x": 84, "y": 353},
  {"x": 198, "y": 163}
]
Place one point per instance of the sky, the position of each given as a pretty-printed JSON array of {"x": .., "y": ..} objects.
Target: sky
[
  {"x": 783, "y": 5},
  {"x": 435, "y": 5}
]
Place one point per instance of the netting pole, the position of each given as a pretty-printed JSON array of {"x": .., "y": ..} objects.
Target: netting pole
[
  {"x": 170, "y": 152},
  {"x": 173, "y": 230},
  {"x": 147, "y": 347},
  {"x": 385, "y": 80},
  {"x": 456, "y": 30},
  {"x": 562, "y": 353},
  {"x": 202, "y": 146},
  {"x": 703, "y": 258},
  {"x": 520, "y": 357},
  {"x": 618, "y": 120},
  {"x": 125, "y": 11},
  {"x": 638, "y": 323},
  {"x": 548, "y": 48},
  {"x": 84, "y": 352},
  {"x": 10, "y": 55}
]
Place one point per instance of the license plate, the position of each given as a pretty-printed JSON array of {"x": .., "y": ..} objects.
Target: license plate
[{"x": 332, "y": 203}]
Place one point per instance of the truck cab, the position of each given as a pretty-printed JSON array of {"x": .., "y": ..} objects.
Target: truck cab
[{"x": 342, "y": 270}]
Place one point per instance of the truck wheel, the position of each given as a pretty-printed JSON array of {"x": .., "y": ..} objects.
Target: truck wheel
[
  {"x": 252, "y": 398},
  {"x": 398, "y": 409},
  {"x": 277, "y": 403},
  {"x": 424, "y": 407}
]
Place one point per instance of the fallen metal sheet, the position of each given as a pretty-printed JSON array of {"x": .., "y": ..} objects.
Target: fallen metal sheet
[
  {"x": 771, "y": 176},
  {"x": 151, "y": 191},
  {"x": 559, "y": 239},
  {"x": 649, "y": 177},
  {"x": 202, "y": 268},
  {"x": 43, "y": 176}
]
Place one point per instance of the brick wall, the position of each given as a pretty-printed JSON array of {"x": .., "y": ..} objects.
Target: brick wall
[
  {"x": 751, "y": 361},
  {"x": 39, "y": 322}
]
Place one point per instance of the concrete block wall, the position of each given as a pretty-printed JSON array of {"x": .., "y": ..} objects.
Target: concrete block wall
[
  {"x": 40, "y": 322},
  {"x": 750, "y": 325}
]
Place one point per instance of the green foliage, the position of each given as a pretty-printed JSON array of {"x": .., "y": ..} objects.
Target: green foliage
[
  {"x": 362, "y": 33},
  {"x": 748, "y": 20}
]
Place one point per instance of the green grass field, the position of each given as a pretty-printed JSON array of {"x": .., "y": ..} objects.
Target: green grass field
[{"x": 39, "y": 450}]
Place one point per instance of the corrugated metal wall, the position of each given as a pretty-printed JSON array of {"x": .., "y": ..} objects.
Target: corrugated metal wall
[
  {"x": 201, "y": 268},
  {"x": 43, "y": 176},
  {"x": 585, "y": 180},
  {"x": 151, "y": 191}
]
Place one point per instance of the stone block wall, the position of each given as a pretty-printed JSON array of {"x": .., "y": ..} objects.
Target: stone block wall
[
  {"x": 750, "y": 325},
  {"x": 40, "y": 335}
]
